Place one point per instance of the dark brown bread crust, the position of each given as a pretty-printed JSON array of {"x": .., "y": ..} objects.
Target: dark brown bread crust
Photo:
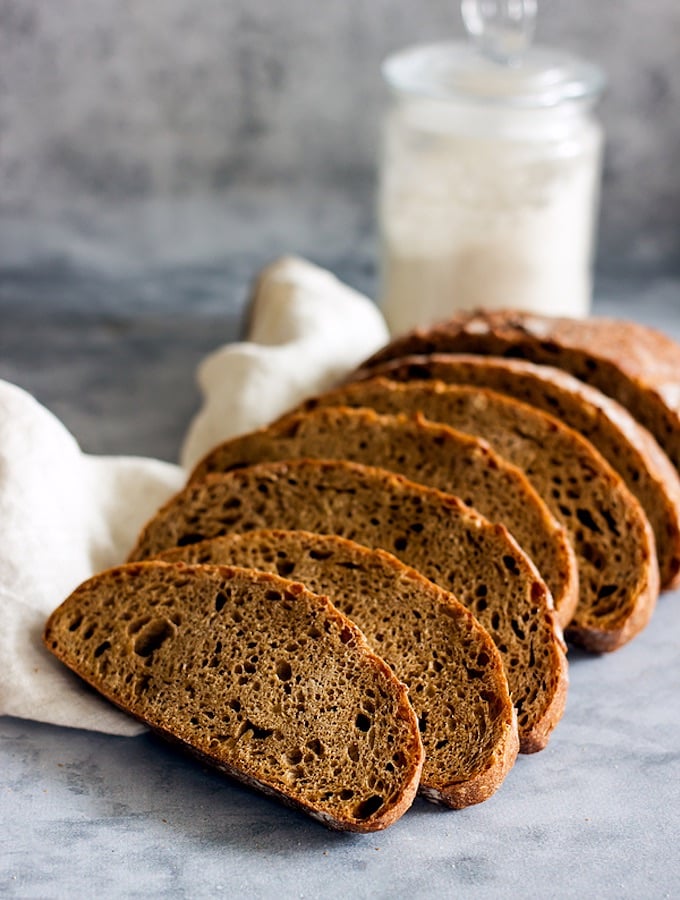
[
  {"x": 432, "y": 532},
  {"x": 626, "y": 445},
  {"x": 614, "y": 543},
  {"x": 432, "y": 454},
  {"x": 633, "y": 363},
  {"x": 149, "y": 637},
  {"x": 454, "y": 673}
]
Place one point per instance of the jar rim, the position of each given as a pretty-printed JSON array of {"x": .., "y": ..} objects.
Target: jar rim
[{"x": 456, "y": 72}]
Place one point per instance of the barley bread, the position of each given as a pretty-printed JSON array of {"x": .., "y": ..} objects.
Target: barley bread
[
  {"x": 613, "y": 541},
  {"x": 256, "y": 675},
  {"x": 480, "y": 563},
  {"x": 454, "y": 673},
  {"x": 635, "y": 364},
  {"x": 431, "y": 454},
  {"x": 626, "y": 445}
]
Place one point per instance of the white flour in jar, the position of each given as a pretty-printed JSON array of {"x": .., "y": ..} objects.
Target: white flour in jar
[{"x": 481, "y": 209}]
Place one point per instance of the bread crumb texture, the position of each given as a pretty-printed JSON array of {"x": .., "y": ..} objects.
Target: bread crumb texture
[
  {"x": 254, "y": 673},
  {"x": 453, "y": 670},
  {"x": 426, "y": 452},
  {"x": 612, "y": 539},
  {"x": 433, "y": 532}
]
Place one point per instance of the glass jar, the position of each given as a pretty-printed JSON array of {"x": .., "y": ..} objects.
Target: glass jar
[{"x": 489, "y": 184}]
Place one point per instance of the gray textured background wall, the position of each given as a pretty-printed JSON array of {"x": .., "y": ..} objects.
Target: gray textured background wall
[{"x": 112, "y": 110}]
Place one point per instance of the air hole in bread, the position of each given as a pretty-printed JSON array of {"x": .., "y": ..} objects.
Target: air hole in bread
[
  {"x": 102, "y": 648},
  {"x": 190, "y": 538},
  {"x": 362, "y": 722},
  {"x": 510, "y": 564},
  {"x": 76, "y": 623},
  {"x": 228, "y": 521},
  {"x": 283, "y": 670},
  {"x": 285, "y": 567},
  {"x": 142, "y": 685},
  {"x": 220, "y": 601},
  {"x": 231, "y": 503},
  {"x": 475, "y": 674},
  {"x": 611, "y": 522},
  {"x": 259, "y": 734},
  {"x": 153, "y": 636},
  {"x": 586, "y": 519},
  {"x": 320, "y": 554},
  {"x": 370, "y": 806}
]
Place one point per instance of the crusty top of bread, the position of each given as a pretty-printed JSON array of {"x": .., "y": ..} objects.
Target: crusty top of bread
[
  {"x": 433, "y": 532},
  {"x": 427, "y": 452},
  {"x": 626, "y": 445},
  {"x": 614, "y": 543},
  {"x": 255, "y": 674},
  {"x": 454, "y": 673},
  {"x": 633, "y": 363}
]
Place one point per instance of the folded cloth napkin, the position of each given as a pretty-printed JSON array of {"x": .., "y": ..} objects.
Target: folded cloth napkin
[
  {"x": 66, "y": 515},
  {"x": 307, "y": 331}
]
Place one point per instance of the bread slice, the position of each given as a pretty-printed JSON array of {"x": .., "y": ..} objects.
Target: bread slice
[
  {"x": 614, "y": 543},
  {"x": 426, "y": 529},
  {"x": 431, "y": 454},
  {"x": 454, "y": 673},
  {"x": 256, "y": 675},
  {"x": 628, "y": 447},
  {"x": 633, "y": 363}
]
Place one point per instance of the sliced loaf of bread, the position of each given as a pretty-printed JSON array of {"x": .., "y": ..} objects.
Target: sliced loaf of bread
[
  {"x": 613, "y": 541},
  {"x": 635, "y": 364},
  {"x": 480, "y": 563},
  {"x": 454, "y": 673},
  {"x": 256, "y": 675},
  {"x": 431, "y": 454},
  {"x": 628, "y": 447}
]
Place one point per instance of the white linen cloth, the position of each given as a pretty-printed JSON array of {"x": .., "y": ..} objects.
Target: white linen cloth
[{"x": 65, "y": 515}]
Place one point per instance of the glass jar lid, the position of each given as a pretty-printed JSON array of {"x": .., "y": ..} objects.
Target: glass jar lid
[{"x": 456, "y": 71}]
